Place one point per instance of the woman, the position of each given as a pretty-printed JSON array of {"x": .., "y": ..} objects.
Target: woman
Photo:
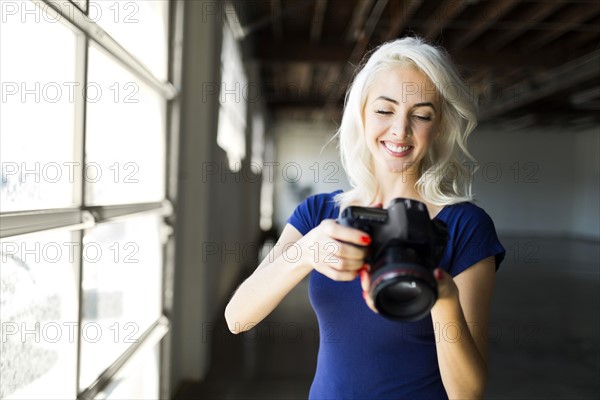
[{"x": 403, "y": 134}]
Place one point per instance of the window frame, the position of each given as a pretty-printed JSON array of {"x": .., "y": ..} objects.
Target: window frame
[{"x": 85, "y": 217}]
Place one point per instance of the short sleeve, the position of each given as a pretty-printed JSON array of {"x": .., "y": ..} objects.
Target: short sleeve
[
  {"x": 474, "y": 239},
  {"x": 313, "y": 210}
]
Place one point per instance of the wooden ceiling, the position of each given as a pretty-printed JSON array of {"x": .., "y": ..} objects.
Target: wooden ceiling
[{"x": 535, "y": 61}]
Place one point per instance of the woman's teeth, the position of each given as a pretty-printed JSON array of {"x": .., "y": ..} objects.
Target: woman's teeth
[{"x": 396, "y": 149}]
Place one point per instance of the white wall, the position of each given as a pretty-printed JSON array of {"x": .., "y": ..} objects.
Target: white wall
[
  {"x": 540, "y": 181},
  {"x": 307, "y": 164}
]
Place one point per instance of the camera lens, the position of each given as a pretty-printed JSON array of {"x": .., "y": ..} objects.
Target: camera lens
[
  {"x": 401, "y": 292},
  {"x": 402, "y": 288},
  {"x": 404, "y": 298}
]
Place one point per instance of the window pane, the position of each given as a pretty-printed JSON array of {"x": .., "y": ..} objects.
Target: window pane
[
  {"x": 125, "y": 142},
  {"x": 122, "y": 275},
  {"x": 39, "y": 91},
  {"x": 233, "y": 96},
  {"x": 38, "y": 301},
  {"x": 135, "y": 24},
  {"x": 139, "y": 379}
]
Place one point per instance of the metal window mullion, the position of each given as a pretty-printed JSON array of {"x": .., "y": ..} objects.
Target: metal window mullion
[
  {"x": 81, "y": 58},
  {"x": 123, "y": 212},
  {"x": 80, "y": 145},
  {"x": 149, "y": 338},
  {"x": 31, "y": 222},
  {"x": 78, "y": 18},
  {"x": 175, "y": 57},
  {"x": 79, "y": 309},
  {"x": 23, "y": 223}
]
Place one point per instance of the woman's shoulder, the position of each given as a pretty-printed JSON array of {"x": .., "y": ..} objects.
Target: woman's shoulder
[
  {"x": 313, "y": 210},
  {"x": 321, "y": 203},
  {"x": 464, "y": 208},
  {"x": 472, "y": 234},
  {"x": 464, "y": 213},
  {"x": 324, "y": 197}
]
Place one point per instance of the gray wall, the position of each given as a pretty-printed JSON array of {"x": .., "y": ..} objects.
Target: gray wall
[
  {"x": 539, "y": 181},
  {"x": 217, "y": 210}
]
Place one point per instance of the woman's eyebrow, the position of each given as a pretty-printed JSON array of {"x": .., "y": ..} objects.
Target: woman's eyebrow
[
  {"x": 387, "y": 99},
  {"x": 424, "y": 104},
  {"x": 428, "y": 103}
]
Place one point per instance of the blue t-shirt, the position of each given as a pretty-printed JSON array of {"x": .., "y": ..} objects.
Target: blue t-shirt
[{"x": 362, "y": 355}]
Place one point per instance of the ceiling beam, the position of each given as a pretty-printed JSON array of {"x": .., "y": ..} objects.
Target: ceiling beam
[
  {"x": 367, "y": 31},
  {"x": 582, "y": 37},
  {"x": 536, "y": 13},
  {"x": 442, "y": 15},
  {"x": 272, "y": 17},
  {"x": 301, "y": 76},
  {"x": 301, "y": 52},
  {"x": 293, "y": 52},
  {"x": 359, "y": 16},
  {"x": 316, "y": 27},
  {"x": 297, "y": 102},
  {"x": 492, "y": 12},
  {"x": 504, "y": 59},
  {"x": 358, "y": 51},
  {"x": 585, "y": 96},
  {"x": 553, "y": 82},
  {"x": 570, "y": 20},
  {"x": 401, "y": 12}
]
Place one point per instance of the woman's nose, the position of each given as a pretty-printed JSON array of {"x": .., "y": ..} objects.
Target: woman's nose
[{"x": 400, "y": 127}]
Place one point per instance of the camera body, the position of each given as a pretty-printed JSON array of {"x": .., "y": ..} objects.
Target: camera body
[{"x": 406, "y": 246}]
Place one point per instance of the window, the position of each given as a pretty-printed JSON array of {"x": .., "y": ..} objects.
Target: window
[{"x": 83, "y": 198}]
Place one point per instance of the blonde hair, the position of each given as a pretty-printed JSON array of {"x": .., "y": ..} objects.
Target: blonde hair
[{"x": 443, "y": 176}]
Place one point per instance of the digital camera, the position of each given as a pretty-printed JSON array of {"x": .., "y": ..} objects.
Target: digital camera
[{"x": 406, "y": 246}]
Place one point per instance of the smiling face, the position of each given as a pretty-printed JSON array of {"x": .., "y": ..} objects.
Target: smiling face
[{"x": 402, "y": 116}]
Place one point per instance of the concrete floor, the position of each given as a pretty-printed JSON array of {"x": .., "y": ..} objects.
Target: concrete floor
[{"x": 544, "y": 333}]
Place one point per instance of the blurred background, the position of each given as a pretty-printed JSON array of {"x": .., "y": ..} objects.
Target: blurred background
[{"x": 152, "y": 151}]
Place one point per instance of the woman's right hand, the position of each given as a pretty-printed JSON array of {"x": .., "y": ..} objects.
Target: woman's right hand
[{"x": 334, "y": 250}]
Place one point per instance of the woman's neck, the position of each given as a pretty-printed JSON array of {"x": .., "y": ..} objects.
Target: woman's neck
[
  {"x": 403, "y": 185},
  {"x": 396, "y": 185}
]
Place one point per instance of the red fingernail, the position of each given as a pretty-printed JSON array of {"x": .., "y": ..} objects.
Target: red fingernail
[
  {"x": 363, "y": 273},
  {"x": 365, "y": 239},
  {"x": 438, "y": 274}
]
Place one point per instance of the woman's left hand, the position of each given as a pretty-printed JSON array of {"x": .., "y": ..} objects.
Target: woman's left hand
[{"x": 447, "y": 289}]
